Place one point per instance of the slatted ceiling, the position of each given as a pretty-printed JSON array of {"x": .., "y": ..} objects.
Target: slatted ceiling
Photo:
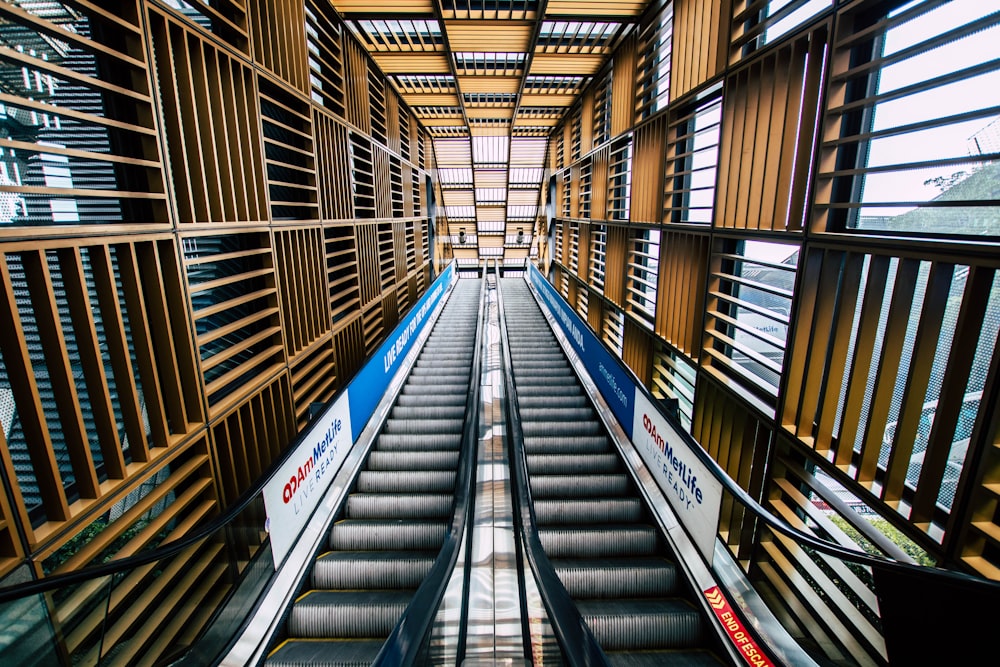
[
  {"x": 505, "y": 37},
  {"x": 489, "y": 113},
  {"x": 396, "y": 8},
  {"x": 594, "y": 8},
  {"x": 543, "y": 64},
  {"x": 399, "y": 35},
  {"x": 490, "y": 84},
  {"x": 410, "y": 63}
]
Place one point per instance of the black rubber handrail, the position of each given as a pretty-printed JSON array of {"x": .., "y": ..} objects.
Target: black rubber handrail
[
  {"x": 578, "y": 644},
  {"x": 55, "y": 581},
  {"x": 781, "y": 526},
  {"x": 407, "y": 638}
]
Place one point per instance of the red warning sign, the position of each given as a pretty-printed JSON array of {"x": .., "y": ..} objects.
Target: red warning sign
[{"x": 744, "y": 643}]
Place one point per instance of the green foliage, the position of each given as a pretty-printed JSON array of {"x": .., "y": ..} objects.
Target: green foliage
[{"x": 919, "y": 556}]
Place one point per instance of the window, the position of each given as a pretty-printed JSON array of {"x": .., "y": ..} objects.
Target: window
[
  {"x": 643, "y": 270},
  {"x": 614, "y": 328},
  {"x": 920, "y": 140},
  {"x": 598, "y": 249},
  {"x": 653, "y": 69},
  {"x": 692, "y": 163},
  {"x": 759, "y": 26},
  {"x": 674, "y": 378},
  {"x": 620, "y": 181},
  {"x": 749, "y": 313}
]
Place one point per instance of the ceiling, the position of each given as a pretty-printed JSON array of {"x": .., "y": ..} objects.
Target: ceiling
[{"x": 490, "y": 79}]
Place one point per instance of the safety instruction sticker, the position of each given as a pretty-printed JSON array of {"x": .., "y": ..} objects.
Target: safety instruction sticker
[{"x": 738, "y": 635}]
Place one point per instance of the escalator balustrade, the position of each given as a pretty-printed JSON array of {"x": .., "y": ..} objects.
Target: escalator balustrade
[{"x": 395, "y": 520}]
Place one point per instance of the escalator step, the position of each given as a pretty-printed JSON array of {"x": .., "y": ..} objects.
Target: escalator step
[
  {"x": 597, "y": 541},
  {"x": 435, "y": 399},
  {"x": 399, "y": 506},
  {"x": 567, "y": 429},
  {"x": 543, "y": 391},
  {"x": 557, "y": 414},
  {"x": 325, "y": 653},
  {"x": 549, "y": 401},
  {"x": 423, "y": 426},
  {"x": 456, "y": 412},
  {"x": 550, "y": 444},
  {"x": 404, "y": 481},
  {"x": 621, "y": 625},
  {"x": 572, "y": 464},
  {"x": 611, "y": 578},
  {"x": 357, "y": 535},
  {"x": 574, "y": 486},
  {"x": 688, "y": 658},
  {"x": 351, "y": 614},
  {"x": 434, "y": 380},
  {"x": 394, "y": 460},
  {"x": 388, "y": 570},
  {"x": 600, "y": 510},
  {"x": 408, "y": 442}
]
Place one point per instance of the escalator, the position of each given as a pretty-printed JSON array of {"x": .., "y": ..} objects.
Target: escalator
[
  {"x": 592, "y": 522},
  {"x": 394, "y": 521}
]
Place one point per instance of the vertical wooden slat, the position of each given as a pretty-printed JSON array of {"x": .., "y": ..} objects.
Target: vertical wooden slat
[
  {"x": 22, "y": 382},
  {"x": 57, "y": 362},
  {"x": 88, "y": 345}
]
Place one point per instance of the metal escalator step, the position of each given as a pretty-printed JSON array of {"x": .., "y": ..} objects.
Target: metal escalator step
[
  {"x": 409, "y": 442},
  {"x": 642, "y": 624},
  {"x": 553, "y": 401},
  {"x": 568, "y": 429},
  {"x": 543, "y": 391},
  {"x": 588, "y": 510},
  {"x": 550, "y": 444},
  {"x": 392, "y": 535},
  {"x": 425, "y": 400},
  {"x": 387, "y": 570},
  {"x": 597, "y": 541},
  {"x": 428, "y": 412},
  {"x": 423, "y": 425},
  {"x": 424, "y": 389},
  {"x": 557, "y": 414},
  {"x": 395, "y": 460},
  {"x": 611, "y": 578},
  {"x": 572, "y": 464},
  {"x": 575, "y": 486},
  {"x": 550, "y": 380},
  {"x": 399, "y": 506},
  {"x": 352, "y": 614},
  {"x": 682, "y": 658},
  {"x": 434, "y": 380},
  {"x": 404, "y": 481},
  {"x": 325, "y": 653}
]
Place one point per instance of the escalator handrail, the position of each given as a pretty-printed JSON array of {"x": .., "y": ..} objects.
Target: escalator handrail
[
  {"x": 55, "y": 581},
  {"x": 780, "y": 525},
  {"x": 579, "y": 646},
  {"x": 404, "y": 643}
]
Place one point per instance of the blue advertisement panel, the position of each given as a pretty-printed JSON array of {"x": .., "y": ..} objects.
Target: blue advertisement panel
[
  {"x": 371, "y": 382},
  {"x": 613, "y": 382}
]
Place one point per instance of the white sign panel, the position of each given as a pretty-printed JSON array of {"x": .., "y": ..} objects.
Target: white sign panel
[
  {"x": 295, "y": 490},
  {"x": 692, "y": 491}
]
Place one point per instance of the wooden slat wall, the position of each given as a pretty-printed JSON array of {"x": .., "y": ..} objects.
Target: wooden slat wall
[
  {"x": 740, "y": 442},
  {"x": 680, "y": 297},
  {"x": 302, "y": 284},
  {"x": 249, "y": 438},
  {"x": 648, "y": 171},
  {"x": 278, "y": 28},
  {"x": 186, "y": 284},
  {"x": 333, "y": 168},
  {"x": 623, "y": 86},
  {"x": 768, "y": 137},
  {"x": 701, "y": 44},
  {"x": 212, "y": 126}
]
